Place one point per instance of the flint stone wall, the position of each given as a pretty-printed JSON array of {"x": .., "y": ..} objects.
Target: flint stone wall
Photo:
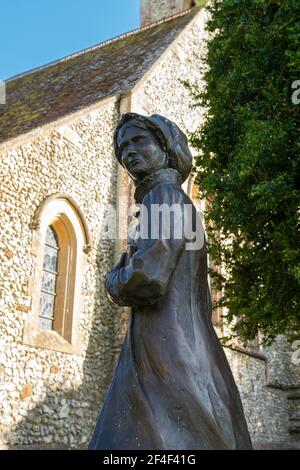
[{"x": 50, "y": 397}]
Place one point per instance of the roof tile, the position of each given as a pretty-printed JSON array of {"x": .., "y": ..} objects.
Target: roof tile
[{"x": 112, "y": 68}]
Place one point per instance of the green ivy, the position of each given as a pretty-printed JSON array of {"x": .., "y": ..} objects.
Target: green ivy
[{"x": 249, "y": 165}]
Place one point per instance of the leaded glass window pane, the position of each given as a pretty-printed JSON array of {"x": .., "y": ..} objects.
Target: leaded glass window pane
[
  {"x": 51, "y": 237},
  {"x": 48, "y": 291},
  {"x": 50, "y": 258},
  {"x": 49, "y": 281},
  {"x": 45, "y": 323},
  {"x": 47, "y": 305}
]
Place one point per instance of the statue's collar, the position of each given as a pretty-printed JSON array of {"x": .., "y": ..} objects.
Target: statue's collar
[{"x": 167, "y": 175}]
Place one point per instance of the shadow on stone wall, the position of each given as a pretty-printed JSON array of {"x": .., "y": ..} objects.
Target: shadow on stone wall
[{"x": 66, "y": 417}]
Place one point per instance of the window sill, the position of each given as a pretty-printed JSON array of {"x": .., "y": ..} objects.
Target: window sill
[{"x": 35, "y": 336}]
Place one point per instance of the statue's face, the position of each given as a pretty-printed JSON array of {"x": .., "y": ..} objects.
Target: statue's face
[{"x": 140, "y": 151}]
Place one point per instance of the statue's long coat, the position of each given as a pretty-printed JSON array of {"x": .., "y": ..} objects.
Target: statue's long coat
[{"x": 173, "y": 387}]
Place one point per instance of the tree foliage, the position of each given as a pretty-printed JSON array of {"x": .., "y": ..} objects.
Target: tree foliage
[{"x": 248, "y": 163}]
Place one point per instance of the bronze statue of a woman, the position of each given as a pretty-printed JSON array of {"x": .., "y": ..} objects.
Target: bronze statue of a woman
[{"x": 173, "y": 387}]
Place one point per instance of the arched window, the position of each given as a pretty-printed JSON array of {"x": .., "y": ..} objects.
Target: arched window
[
  {"x": 48, "y": 290},
  {"x": 60, "y": 242}
]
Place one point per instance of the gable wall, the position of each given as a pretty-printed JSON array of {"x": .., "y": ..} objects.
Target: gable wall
[{"x": 161, "y": 90}]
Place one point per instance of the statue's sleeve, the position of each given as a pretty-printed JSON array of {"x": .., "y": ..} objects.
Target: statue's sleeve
[{"x": 144, "y": 277}]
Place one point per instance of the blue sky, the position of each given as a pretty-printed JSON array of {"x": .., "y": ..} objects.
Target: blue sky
[{"x": 35, "y": 32}]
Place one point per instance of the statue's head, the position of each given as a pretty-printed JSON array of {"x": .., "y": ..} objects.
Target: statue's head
[{"x": 145, "y": 144}]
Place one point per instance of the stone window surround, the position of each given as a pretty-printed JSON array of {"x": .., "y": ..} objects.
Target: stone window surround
[{"x": 61, "y": 211}]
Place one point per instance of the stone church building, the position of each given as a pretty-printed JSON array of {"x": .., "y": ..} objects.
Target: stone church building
[{"x": 60, "y": 336}]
